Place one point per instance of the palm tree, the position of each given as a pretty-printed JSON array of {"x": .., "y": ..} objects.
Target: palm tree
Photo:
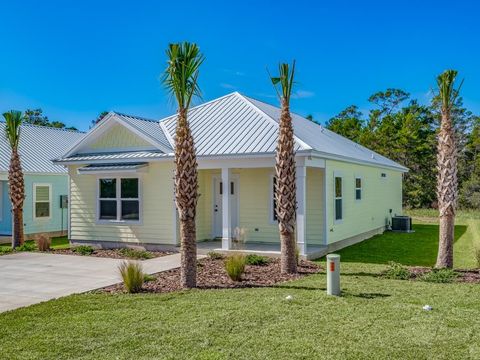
[
  {"x": 180, "y": 80},
  {"x": 447, "y": 168},
  {"x": 13, "y": 120},
  {"x": 285, "y": 188}
]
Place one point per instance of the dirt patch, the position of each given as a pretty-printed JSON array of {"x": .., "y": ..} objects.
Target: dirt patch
[
  {"x": 112, "y": 253},
  {"x": 211, "y": 274}
]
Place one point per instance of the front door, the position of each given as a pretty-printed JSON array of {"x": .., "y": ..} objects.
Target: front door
[{"x": 218, "y": 191}]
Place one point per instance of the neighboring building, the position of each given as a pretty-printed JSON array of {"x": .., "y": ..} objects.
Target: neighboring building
[
  {"x": 121, "y": 180},
  {"x": 45, "y": 182}
]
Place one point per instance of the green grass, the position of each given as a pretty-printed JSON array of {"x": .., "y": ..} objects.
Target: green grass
[
  {"x": 376, "y": 318},
  {"x": 57, "y": 243}
]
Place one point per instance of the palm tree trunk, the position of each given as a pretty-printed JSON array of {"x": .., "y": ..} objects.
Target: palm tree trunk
[
  {"x": 447, "y": 190},
  {"x": 186, "y": 196},
  {"x": 17, "y": 196},
  {"x": 286, "y": 191}
]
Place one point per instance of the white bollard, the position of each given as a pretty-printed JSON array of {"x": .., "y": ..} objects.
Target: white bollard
[{"x": 333, "y": 274}]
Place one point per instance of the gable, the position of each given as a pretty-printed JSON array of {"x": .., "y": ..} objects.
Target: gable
[{"x": 119, "y": 137}]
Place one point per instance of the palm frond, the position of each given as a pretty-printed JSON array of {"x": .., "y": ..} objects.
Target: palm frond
[
  {"x": 180, "y": 77},
  {"x": 284, "y": 82},
  {"x": 13, "y": 120},
  {"x": 447, "y": 92}
]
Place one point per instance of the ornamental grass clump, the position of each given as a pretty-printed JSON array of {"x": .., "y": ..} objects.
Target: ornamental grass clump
[
  {"x": 132, "y": 276},
  {"x": 397, "y": 271},
  {"x": 235, "y": 266}
]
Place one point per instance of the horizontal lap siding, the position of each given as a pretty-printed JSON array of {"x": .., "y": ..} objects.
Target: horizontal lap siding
[
  {"x": 157, "y": 205},
  {"x": 254, "y": 197},
  {"x": 314, "y": 206},
  {"x": 378, "y": 196}
]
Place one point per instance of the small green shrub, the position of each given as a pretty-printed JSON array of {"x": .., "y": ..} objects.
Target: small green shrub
[
  {"x": 477, "y": 257},
  {"x": 132, "y": 276},
  {"x": 83, "y": 249},
  {"x": 257, "y": 260},
  {"x": 235, "y": 266},
  {"x": 148, "y": 277},
  {"x": 5, "y": 250},
  {"x": 135, "y": 254},
  {"x": 397, "y": 271},
  {"x": 440, "y": 276},
  {"x": 215, "y": 255},
  {"x": 297, "y": 255},
  {"x": 27, "y": 246}
]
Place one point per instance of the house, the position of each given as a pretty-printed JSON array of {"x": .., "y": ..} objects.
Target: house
[
  {"x": 121, "y": 181},
  {"x": 45, "y": 182}
]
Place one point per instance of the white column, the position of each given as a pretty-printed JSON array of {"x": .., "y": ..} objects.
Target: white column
[
  {"x": 301, "y": 209},
  {"x": 226, "y": 213}
]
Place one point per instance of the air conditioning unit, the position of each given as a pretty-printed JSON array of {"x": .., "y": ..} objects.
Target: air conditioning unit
[{"x": 402, "y": 223}]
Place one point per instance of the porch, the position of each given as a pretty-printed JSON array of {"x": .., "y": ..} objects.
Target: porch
[{"x": 240, "y": 216}]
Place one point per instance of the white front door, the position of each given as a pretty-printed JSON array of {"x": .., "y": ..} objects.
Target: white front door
[{"x": 218, "y": 191}]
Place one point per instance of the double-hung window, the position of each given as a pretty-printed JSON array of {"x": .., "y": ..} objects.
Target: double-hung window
[
  {"x": 358, "y": 188},
  {"x": 42, "y": 201},
  {"x": 338, "y": 192},
  {"x": 119, "y": 199}
]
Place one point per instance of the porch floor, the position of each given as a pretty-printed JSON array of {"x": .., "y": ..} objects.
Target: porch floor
[{"x": 273, "y": 250}]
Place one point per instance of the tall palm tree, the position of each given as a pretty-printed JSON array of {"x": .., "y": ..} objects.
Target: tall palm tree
[
  {"x": 13, "y": 120},
  {"x": 180, "y": 80},
  {"x": 447, "y": 168},
  {"x": 285, "y": 188}
]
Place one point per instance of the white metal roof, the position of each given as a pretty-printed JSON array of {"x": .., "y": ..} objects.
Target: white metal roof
[
  {"x": 236, "y": 125},
  {"x": 39, "y": 145}
]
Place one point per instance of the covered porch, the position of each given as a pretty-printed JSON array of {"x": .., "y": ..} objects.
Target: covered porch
[{"x": 245, "y": 220}]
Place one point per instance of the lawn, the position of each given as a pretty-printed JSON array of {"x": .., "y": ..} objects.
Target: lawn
[
  {"x": 57, "y": 243},
  {"x": 375, "y": 317}
]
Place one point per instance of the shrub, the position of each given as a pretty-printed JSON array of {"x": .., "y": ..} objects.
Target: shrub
[
  {"x": 43, "y": 242},
  {"x": 26, "y": 246},
  {"x": 477, "y": 257},
  {"x": 132, "y": 276},
  {"x": 235, "y": 266},
  {"x": 135, "y": 254},
  {"x": 5, "y": 250},
  {"x": 397, "y": 271},
  {"x": 148, "y": 277},
  {"x": 83, "y": 249},
  {"x": 440, "y": 276},
  {"x": 257, "y": 260},
  {"x": 297, "y": 255},
  {"x": 215, "y": 255}
]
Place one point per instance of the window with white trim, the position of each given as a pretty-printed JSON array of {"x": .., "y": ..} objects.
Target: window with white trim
[
  {"x": 119, "y": 199},
  {"x": 338, "y": 193},
  {"x": 358, "y": 188},
  {"x": 42, "y": 201},
  {"x": 273, "y": 200}
]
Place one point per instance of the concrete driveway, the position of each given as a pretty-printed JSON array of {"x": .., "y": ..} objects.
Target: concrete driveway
[{"x": 30, "y": 278}]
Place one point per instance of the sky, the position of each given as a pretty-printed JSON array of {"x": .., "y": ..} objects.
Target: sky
[{"x": 77, "y": 59}]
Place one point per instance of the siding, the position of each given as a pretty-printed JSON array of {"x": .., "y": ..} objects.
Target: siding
[
  {"x": 120, "y": 137},
  {"x": 158, "y": 215},
  {"x": 378, "y": 196}
]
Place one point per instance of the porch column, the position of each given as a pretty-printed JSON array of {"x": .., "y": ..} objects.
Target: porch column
[
  {"x": 226, "y": 217},
  {"x": 301, "y": 209}
]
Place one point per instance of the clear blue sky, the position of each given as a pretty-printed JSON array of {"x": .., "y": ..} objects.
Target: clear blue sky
[{"x": 75, "y": 59}]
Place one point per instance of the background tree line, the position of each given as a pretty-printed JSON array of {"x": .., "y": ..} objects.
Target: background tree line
[{"x": 405, "y": 131}]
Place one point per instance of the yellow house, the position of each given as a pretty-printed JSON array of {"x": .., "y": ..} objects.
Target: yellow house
[{"x": 121, "y": 181}]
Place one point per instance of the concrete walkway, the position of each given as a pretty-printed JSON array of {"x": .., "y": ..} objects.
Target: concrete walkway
[{"x": 30, "y": 278}]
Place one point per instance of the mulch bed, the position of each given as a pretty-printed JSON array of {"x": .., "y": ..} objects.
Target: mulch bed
[
  {"x": 211, "y": 274},
  {"x": 464, "y": 276},
  {"x": 109, "y": 253}
]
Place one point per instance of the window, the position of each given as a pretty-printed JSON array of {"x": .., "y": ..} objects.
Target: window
[
  {"x": 358, "y": 188},
  {"x": 273, "y": 203},
  {"x": 119, "y": 199},
  {"x": 42, "y": 201},
  {"x": 338, "y": 199}
]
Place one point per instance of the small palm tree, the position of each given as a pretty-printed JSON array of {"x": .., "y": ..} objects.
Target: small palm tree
[
  {"x": 447, "y": 168},
  {"x": 180, "y": 80},
  {"x": 13, "y": 120},
  {"x": 285, "y": 188}
]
